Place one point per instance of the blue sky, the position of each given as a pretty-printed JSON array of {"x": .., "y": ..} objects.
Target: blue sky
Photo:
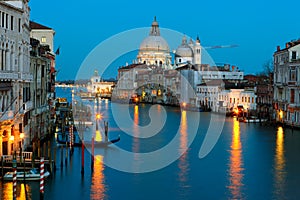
[{"x": 256, "y": 26}]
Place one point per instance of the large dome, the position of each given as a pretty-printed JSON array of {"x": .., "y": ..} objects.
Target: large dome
[{"x": 154, "y": 43}]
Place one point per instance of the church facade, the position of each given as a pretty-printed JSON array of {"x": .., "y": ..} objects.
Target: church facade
[{"x": 156, "y": 78}]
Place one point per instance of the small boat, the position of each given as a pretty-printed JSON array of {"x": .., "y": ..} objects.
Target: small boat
[
  {"x": 254, "y": 120},
  {"x": 102, "y": 143},
  {"x": 32, "y": 175},
  {"x": 65, "y": 140}
]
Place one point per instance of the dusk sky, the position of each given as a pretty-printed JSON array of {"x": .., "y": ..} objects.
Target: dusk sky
[{"x": 256, "y": 26}]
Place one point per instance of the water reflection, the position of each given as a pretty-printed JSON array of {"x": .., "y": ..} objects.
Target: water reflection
[
  {"x": 183, "y": 164},
  {"x": 280, "y": 172},
  {"x": 98, "y": 180},
  {"x": 236, "y": 164},
  {"x": 6, "y": 191},
  {"x": 136, "y": 145}
]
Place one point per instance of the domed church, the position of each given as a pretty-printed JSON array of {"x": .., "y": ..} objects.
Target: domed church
[
  {"x": 188, "y": 53},
  {"x": 154, "y": 49}
]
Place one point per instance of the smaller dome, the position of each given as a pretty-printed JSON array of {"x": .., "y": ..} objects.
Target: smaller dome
[{"x": 184, "y": 50}]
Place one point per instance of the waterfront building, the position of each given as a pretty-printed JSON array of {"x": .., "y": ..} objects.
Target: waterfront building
[
  {"x": 155, "y": 79},
  {"x": 97, "y": 86},
  {"x": 42, "y": 90},
  {"x": 286, "y": 83},
  {"x": 226, "y": 96},
  {"x": 15, "y": 76}
]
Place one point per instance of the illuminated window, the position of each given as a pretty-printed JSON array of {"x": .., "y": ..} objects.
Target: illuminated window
[{"x": 43, "y": 40}]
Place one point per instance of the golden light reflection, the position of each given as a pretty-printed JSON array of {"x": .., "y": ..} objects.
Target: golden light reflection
[
  {"x": 136, "y": 145},
  {"x": 8, "y": 188},
  {"x": 98, "y": 136},
  {"x": 98, "y": 186},
  {"x": 236, "y": 163},
  {"x": 183, "y": 164},
  {"x": 280, "y": 174}
]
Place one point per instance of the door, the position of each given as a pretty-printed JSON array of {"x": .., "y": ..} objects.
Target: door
[{"x": 4, "y": 148}]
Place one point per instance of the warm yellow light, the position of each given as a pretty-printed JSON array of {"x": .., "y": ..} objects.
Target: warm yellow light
[
  {"x": 98, "y": 116},
  {"x": 12, "y": 138},
  {"x": 183, "y": 104},
  {"x": 136, "y": 99},
  {"x": 281, "y": 114},
  {"x": 21, "y": 135}
]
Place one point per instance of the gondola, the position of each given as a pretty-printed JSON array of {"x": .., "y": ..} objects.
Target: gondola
[
  {"x": 59, "y": 140},
  {"x": 102, "y": 143}
]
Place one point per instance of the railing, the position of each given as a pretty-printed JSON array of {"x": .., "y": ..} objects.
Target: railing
[
  {"x": 9, "y": 75},
  {"x": 26, "y": 76},
  {"x": 25, "y": 155}
]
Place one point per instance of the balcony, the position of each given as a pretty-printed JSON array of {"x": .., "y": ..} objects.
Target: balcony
[
  {"x": 8, "y": 115},
  {"x": 6, "y": 75},
  {"x": 28, "y": 77}
]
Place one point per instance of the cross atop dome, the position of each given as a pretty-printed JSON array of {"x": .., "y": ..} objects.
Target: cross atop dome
[{"x": 155, "y": 28}]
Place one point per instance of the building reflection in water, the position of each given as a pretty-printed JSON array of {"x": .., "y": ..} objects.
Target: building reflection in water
[
  {"x": 98, "y": 188},
  {"x": 183, "y": 164},
  {"x": 279, "y": 165},
  {"x": 236, "y": 169}
]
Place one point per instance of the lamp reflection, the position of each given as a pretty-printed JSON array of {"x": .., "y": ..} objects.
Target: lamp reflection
[
  {"x": 236, "y": 163},
  {"x": 280, "y": 174},
  {"x": 136, "y": 146},
  {"x": 183, "y": 164},
  {"x": 8, "y": 188},
  {"x": 97, "y": 186}
]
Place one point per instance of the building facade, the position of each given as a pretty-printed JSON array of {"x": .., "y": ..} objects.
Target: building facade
[
  {"x": 15, "y": 76},
  {"x": 286, "y": 83},
  {"x": 42, "y": 66}
]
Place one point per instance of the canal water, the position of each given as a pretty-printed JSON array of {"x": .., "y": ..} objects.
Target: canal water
[{"x": 248, "y": 161}]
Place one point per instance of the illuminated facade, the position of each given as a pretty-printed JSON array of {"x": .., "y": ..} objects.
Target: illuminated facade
[
  {"x": 287, "y": 83},
  {"x": 15, "y": 76}
]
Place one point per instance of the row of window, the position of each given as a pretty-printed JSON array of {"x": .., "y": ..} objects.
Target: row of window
[{"x": 8, "y": 21}]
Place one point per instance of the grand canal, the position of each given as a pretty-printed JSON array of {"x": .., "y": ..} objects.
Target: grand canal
[{"x": 249, "y": 161}]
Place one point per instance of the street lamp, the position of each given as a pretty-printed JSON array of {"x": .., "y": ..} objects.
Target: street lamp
[{"x": 21, "y": 148}]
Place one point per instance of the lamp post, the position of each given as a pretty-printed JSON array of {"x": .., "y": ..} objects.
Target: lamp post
[{"x": 21, "y": 148}]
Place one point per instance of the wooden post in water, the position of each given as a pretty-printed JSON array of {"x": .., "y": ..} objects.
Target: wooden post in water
[
  {"x": 39, "y": 148},
  {"x": 66, "y": 159},
  {"x": 92, "y": 156},
  {"x": 49, "y": 155},
  {"x": 54, "y": 164},
  {"x": 106, "y": 130},
  {"x": 33, "y": 155},
  {"x": 2, "y": 163},
  {"x": 61, "y": 156},
  {"x": 44, "y": 150}
]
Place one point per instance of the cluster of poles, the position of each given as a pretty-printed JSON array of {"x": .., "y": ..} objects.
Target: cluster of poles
[{"x": 14, "y": 167}]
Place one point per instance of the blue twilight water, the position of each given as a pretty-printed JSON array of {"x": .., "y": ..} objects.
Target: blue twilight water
[{"x": 249, "y": 161}]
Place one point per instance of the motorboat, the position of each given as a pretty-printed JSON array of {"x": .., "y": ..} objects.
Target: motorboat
[{"x": 32, "y": 175}]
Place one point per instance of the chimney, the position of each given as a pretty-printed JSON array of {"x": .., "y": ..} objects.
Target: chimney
[
  {"x": 278, "y": 48},
  {"x": 286, "y": 45}
]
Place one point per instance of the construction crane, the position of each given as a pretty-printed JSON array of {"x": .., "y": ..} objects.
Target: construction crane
[{"x": 221, "y": 46}]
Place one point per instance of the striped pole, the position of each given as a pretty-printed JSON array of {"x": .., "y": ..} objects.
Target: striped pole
[
  {"x": 42, "y": 178},
  {"x": 14, "y": 179}
]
